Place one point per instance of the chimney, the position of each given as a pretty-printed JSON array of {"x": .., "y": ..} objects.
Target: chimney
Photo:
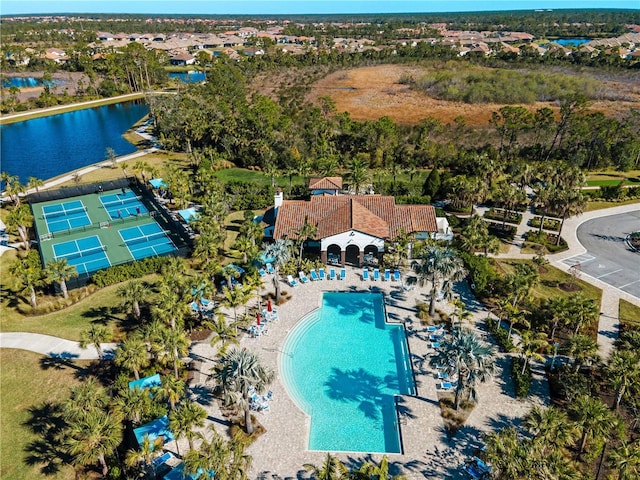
[{"x": 278, "y": 198}]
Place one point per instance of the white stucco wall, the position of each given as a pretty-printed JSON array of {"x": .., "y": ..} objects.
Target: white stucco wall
[{"x": 352, "y": 237}]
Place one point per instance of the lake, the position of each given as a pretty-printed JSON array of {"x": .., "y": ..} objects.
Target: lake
[
  {"x": 50, "y": 146},
  {"x": 189, "y": 77}
]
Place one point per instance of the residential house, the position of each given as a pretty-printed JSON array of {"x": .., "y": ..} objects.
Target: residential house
[
  {"x": 325, "y": 186},
  {"x": 182, "y": 59}
]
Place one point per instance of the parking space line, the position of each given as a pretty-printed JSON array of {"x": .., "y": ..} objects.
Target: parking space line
[
  {"x": 605, "y": 274},
  {"x": 623, "y": 286}
]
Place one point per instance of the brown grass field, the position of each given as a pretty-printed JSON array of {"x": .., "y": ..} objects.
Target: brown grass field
[{"x": 369, "y": 93}]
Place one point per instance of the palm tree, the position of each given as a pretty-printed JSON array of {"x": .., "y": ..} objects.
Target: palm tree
[
  {"x": 509, "y": 455},
  {"x": 20, "y": 220},
  {"x": 582, "y": 311},
  {"x": 60, "y": 271},
  {"x": 223, "y": 333},
  {"x": 623, "y": 374},
  {"x": 96, "y": 336},
  {"x": 306, "y": 231},
  {"x": 185, "y": 418},
  {"x": 85, "y": 398},
  {"x": 531, "y": 343},
  {"x": 358, "y": 173},
  {"x": 132, "y": 355},
  {"x": 625, "y": 459},
  {"x": 233, "y": 298},
  {"x": 582, "y": 348},
  {"x": 551, "y": 428},
  {"x": 172, "y": 346},
  {"x": 463, "y": 355},
  {"x": 92, "y": 438},
  {"x": 149, "y": 449},
  {"x": 593, "y": 419},
  {"x": 570, "y": 202},
  {"x": 29, "y": 276},
  {"x": 230, "y": 272},
  {"x": 521, "y": 281},
  {"x": 331, "y": 469},
  {"x": 132, "y": 294},
  {"x": 225, "y": 460},
  {"x": 280, "y": 252},
  {"x": 35, "y": 183},
  {"x": 512, "y": 312},
  {"x": 132, "y": 404},
  {"x": 244, "y": 247},
  {"x": 237, "y": 373},
  {"x": 556, "y": 310},
  {"x": 380, "y": 471},
  {"x": 172, "y": 390},
  {"x": 439, "y": 265}
]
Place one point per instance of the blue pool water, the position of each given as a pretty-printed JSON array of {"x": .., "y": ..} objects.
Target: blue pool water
[
  {"x": 572, "y": 42},
  {"x": 343, "y": 365},
  {"x": 27, "y": 82}
]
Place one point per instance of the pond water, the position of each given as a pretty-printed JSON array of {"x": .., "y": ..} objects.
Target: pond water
[
  {"x": 189, "y": 77},
  {"x": 572, "y": 42},
  {"x": 27, "y": 82},
  {"x": 50, "y": 146}
]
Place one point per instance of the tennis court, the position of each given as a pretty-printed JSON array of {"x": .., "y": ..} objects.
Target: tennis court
[
  {"x": 147, "y": 240},
  {"x": 65, "y": 216},
  {"x": 87, "y": 254},
  {"x": 122, "y": 205}
]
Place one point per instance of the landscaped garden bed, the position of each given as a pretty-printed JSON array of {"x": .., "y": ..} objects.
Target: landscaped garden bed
[
  {"x": 548, "y": 240},
  {"x": 549, "y": 223},
  {"x": 634, "y": 241},
  {"x": 506, "y": 233},
  {"x": 499, "y": 214}
]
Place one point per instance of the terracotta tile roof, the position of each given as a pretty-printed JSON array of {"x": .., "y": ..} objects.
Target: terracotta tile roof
[
  {"x": 375, "y": 215},
  {"x": 326, "y": 183}
]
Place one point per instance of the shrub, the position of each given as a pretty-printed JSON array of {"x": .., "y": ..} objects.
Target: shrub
[
  {"x": 413, "y": 200},
  {"x": 506, "y": 233},
  {"x": 120, "y": 273},
  {"x": 498, "y": 214},
  {"x": 521, "y": 382},
  {"x": 481, "y": 274},
  {"x": 501, "y": 335}
]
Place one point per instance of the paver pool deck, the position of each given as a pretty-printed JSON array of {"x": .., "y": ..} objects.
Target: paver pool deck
[{"x": 428, "y": 453}]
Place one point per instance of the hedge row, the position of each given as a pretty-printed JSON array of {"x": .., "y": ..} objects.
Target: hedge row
[
  {"x": 498, "y": 214},
  {"x": 521, "y": 382},
  {"x": 120, "y": 273},
  {"x": 549, "y": 223},
  {"x": 501, "y": 335}
]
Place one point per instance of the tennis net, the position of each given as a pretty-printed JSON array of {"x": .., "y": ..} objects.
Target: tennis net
[
  {"x": 64, "y": 213},
  {"x": 84, "y": 253},
  {"x": 124, "y": 201},
  {"x": 146, "y": 238}
]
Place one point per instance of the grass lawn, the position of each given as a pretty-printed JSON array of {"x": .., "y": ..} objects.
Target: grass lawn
[
  {"x": 629, "y": 314},
  {"x": 600, "y": 204},
  {"x": 612, "y": 183},
  {"x": 232, "y": 226},
  {"x": 27, "y": 384},
  {"x": 548, "y": 285},
  {"x": 613, "y": 176}
]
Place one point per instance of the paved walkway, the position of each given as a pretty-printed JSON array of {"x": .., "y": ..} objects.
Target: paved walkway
[{"x": 53, "y": 346}]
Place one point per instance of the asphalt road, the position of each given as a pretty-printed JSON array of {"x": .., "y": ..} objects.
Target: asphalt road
[{"x": 608, "y": 257}]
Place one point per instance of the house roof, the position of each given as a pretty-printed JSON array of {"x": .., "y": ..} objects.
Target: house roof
[
  {"x": 374, "y": 215},
  {"x": 326, "y": 183}
]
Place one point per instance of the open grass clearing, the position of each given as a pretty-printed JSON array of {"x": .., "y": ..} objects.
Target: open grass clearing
[
  {"x": 27, "y": 384},
  {"x": 629, "y": 314},
  {"x": 550, "y": 279},
  {"x": 232, "y": 227},
  {"x": 612, "y": 175},
  {"x": 601, "y": 204}
]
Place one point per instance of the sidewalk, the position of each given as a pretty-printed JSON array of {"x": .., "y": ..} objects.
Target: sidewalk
[{"x": 53, "y": 346}]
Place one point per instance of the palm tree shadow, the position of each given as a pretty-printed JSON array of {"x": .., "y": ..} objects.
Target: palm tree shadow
[
  {"x": 47, "y": 422},
  {"x": 58, "y": 363},
  {"x": 202, "y": 394}
]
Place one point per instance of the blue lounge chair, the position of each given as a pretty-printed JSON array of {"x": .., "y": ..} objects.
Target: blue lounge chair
[
  {"x": 332, "y": 274},
  {"x": 477, "y": 469},
  {"x": 270, "y": 269},
  {"x": 343, "y": 273},
  {"x": 447, "y": 385},
  {"x": 262, "y": 272},
  {"x": 321, "y": 273},
  {"x": 387, "y": 275},
  {"x": 376, "y": 274},
  {"x": 435, "y": 344},
  {"x": 396, "y": 275},
  {"x": 194, "y": 306},
  {"x": 303, "y": 277},
  {"x": 443, "y": 375},
  {"x": 314, "y": 275},
  {"x": 292, "y": 281},
  {"x": 365, "y": 274}
]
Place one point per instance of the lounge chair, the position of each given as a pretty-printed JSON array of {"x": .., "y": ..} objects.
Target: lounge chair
[
  {"x": 387, "y": 275},
  {"x": 396, "y": 275},
  {"x": 477, "y": 469},
  {"x": 303, "y": 277},
  {"x": 447, "y": 385},
  {"x": 434, "y": 328},
  {"x": 270, "y": 269},
  {"x": 435, "y": 344},
  {"x": 365, "y": 274},
  {"x": 343, "y": 273},
  {"x": 292, "y": 281},
  {"x": 443, "y": 375},
  {"x": 376, "y": 274},
  {"x": 314, "y": 275},
  {"x": 194, "y": 306},
  {"x": 205, "y": 303},
  {"x": 321, "y": 273},
  {"x": 332, "y": 274},
  {"x": 262, "y": 272}
]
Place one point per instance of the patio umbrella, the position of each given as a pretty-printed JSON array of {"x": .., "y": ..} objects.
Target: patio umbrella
[
  {"x": 258, "y": 318},
  {"x": 269, "y": 307}
]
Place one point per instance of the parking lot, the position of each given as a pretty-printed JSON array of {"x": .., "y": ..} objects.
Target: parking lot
[{"x": 609, "y": 258}]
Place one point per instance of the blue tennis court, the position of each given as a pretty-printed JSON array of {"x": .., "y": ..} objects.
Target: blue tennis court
[
  {"x": 147, "y": 240},
  {"x": 122, "y": 205},
  {"x": 65, "y": 216},
  {"x": 87, "y": 254}
]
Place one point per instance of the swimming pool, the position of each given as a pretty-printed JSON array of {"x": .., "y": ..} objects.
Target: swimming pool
[{"x": 343, "y": 365}]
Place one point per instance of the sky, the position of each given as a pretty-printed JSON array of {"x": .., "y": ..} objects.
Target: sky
[{"x": 266, "y": 7}]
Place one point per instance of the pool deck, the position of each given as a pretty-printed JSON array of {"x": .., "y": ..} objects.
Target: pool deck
[{"x": 428, "y": 453}]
